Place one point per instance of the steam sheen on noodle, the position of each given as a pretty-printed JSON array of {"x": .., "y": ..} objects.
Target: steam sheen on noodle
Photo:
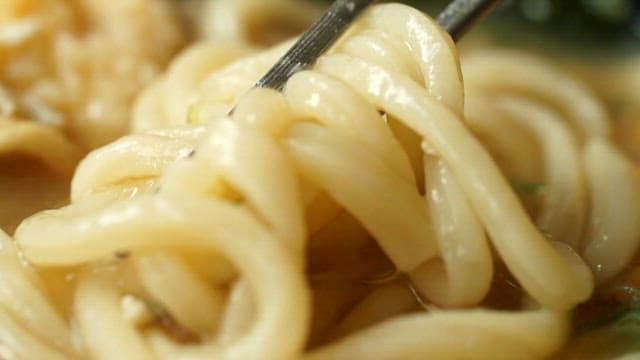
[{"x": 271, "y": 233}]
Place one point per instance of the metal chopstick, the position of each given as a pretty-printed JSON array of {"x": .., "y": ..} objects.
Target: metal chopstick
[
  {"x": 458, "y": 17},
  {"x": 314, "y": 42}
]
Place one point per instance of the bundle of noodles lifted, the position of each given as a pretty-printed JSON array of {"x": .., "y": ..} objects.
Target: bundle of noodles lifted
[{"x": 363, "y": 213}]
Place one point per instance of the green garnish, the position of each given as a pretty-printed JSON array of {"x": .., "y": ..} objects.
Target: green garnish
[
  {"x": 525, "y": 187},
  {"x": 606, "y": 327},
  {"x": 614, "y": 336}
]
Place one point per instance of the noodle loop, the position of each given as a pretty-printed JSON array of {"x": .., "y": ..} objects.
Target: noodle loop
[{"x": 260, "y": 234}]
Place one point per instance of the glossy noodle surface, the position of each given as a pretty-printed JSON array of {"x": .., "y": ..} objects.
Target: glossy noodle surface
[{"x": 380, "y": 207}]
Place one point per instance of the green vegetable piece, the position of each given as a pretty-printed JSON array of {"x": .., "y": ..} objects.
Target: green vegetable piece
[
  {"x": 615, "y": 336},
  {"x": 525, "y": 187}
]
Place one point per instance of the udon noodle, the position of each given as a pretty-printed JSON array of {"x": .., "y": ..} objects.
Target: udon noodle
[
  {"x": 375, "y": 209},
  {"x": 69, "y": 71}
]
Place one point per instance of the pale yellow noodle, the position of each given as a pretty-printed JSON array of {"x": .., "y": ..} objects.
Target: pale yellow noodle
[
  {"x": 165, "y": 278},
  {"x": 40, "y": 142},
  {"x": 472, "y": 334},
  {"x": 562, "y": 214},
  {"x": 259, "y": 234},
  {"x": 558, "y": 283},
  {"x": 382, "y": 303},
  {"x": 20, "y": 343},
  {"x": 498, "y": 71},
  {"x": 321, "y": 155},
  {"x": 170, "y": 222},
  {"x": 106, "y": 333},
  {"x": 508, "y": 141},
  {"x": 241, "y": 309},
  {"x": 21, "y": 286},
  {"x": 614, "y": 232},
  {"x": 462, "y": 276},
  {"x": 37, "y": 162}
]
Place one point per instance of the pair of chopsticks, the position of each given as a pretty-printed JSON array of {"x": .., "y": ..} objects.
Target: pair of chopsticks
[{"x": 458, "y": 17}]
